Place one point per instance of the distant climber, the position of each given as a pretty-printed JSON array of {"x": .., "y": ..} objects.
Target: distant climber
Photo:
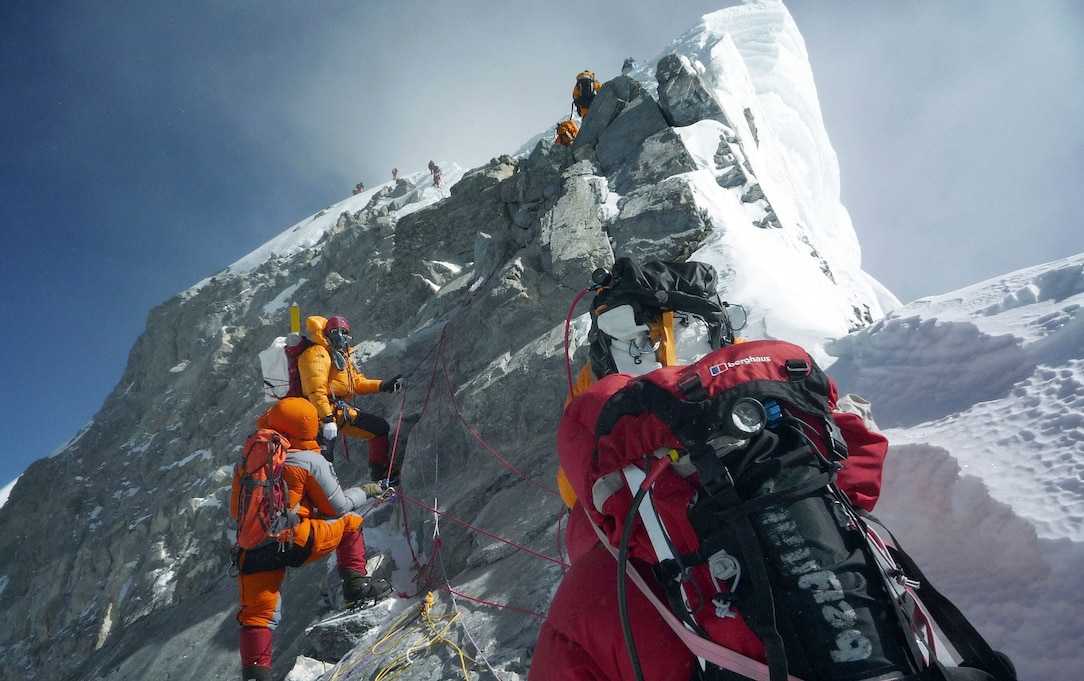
[
  {"x": 328, "y": 521},
  {"x": 566, "y": 132},
  {"x": 629, "y": 66},
  {"x": 583, "y": 93},
  {"x": 435, "y": 170},
  {"x": 394, "y": 173},
  {"x": 329, "y": 378},
  {"x": 359, "y": 188}
]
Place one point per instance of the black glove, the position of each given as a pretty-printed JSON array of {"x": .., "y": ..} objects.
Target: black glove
[{"x": 392, "y": 385}]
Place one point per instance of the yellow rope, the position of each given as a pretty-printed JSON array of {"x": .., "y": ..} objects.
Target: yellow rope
[{"x": 432, "y": 629}]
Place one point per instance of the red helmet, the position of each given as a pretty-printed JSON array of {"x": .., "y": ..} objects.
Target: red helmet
[
  {"x": 337, "y": 332},
  {"x": 337, "y": 322}
]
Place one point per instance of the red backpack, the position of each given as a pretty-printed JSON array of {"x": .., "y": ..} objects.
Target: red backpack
[
  {"x": 721, "y": 476},
  {"x": 262, "y": 501}
]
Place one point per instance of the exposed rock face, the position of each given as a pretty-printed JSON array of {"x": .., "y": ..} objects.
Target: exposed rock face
[
  {"x": 116, "y": 550},
  {"x": 684, "y": 93}
]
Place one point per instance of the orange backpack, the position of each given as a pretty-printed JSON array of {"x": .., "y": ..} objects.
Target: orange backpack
[
  {"x": 566, "y": 132},
  {"x": 262, "y": 501}
]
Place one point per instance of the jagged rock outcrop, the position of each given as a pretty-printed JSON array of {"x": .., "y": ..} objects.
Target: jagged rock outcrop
[
  {"x": 116, "y": 549},
  {"x": 685, "y": 94}
]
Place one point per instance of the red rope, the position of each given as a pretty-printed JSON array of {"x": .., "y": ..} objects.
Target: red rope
[
  {"x": 439, "y": 350},
  {"x": 402, "y": 403},
  {"x": 398, "y": 429},
  {"x": 481, "y": 531},
  {"x": 450, "y": 590},
  {"x": 427, "y": 569},
  {"x": 459, "y": 415}
]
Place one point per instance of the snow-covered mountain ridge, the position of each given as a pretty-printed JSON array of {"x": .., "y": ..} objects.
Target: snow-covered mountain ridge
[
  {"x": 985, "y": 477},
  {"x": 993, "y": 373}
]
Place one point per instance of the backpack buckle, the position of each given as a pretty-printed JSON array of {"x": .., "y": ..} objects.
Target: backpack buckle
[
  {"x": 717, "y": 485},
  {"x": 670, "y": 570},
  {"x": 797, "y": 369},
  {"x": 692, "y": 387}
]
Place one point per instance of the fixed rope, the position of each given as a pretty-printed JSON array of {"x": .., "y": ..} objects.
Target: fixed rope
[{"x": 440, "y": 370}]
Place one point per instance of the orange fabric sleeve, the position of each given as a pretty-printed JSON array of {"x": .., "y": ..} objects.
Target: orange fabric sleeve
[
  {"x": 362, "y": 385},
  {"x": 314, "y": 365}
]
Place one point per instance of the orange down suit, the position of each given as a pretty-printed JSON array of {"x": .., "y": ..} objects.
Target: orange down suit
[
  {"x": 321, "y": 380},
  {"x": 328, "y": 523},
  {"x": 323, "y": 383}
]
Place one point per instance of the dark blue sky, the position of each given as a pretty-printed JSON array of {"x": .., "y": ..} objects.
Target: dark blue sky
[{"x": 145, "y": 146}]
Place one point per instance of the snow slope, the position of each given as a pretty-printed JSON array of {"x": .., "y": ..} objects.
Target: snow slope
[
  {"x": 999, "y": 366},
  {"x": 985, "y": 479}
]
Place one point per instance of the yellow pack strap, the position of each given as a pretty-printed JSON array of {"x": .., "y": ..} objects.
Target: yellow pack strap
[{"x": 662, "y": 332}]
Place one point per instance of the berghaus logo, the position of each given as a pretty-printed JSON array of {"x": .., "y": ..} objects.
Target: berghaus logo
[{"x": 723, "y": 367}]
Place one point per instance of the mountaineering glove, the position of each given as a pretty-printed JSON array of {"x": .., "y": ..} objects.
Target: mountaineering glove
[
  {"x": 351, "y": 523},
  {"x": 330, "y": 431},
  {"x": 373, "y": 490},
  {"x": 392, "y": 385}
]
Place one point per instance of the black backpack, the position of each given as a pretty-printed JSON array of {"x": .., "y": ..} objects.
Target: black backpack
[
  {"x": 586, "y": 87},
  {"x": 688, "y": 289}
]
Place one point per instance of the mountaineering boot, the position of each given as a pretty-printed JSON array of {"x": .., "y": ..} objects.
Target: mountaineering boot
[
  {"x": 256, "y": 674},
  {"x": 360, "y": 589},
  {"x": 379, "y": 472}
]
